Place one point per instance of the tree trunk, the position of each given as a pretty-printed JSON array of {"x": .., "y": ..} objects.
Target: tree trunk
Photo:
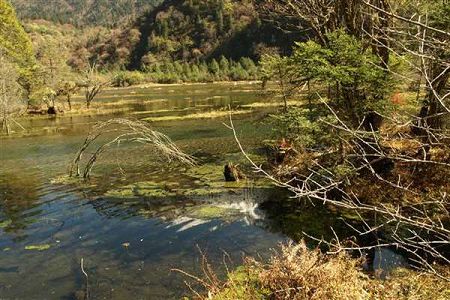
[
  {"x": 5, "y": 125},
  {"x": 69, "y": 102},
  {"x": 431, "y": 114}
]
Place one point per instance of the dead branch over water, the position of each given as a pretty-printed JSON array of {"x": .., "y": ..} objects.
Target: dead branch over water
[
  {"x": 419, "y": 229},
  {"x": 125, "y": 131}
]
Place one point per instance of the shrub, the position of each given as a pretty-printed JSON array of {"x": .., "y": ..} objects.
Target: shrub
[
  {"x": 299, "y": 273},
  {"x": 126, "y": 78}
]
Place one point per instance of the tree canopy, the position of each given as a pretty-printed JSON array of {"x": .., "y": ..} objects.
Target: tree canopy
[{"x": 13, "y": 39}]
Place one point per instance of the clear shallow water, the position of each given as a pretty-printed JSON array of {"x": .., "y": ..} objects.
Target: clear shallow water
[{"x": 130, "y": 245}]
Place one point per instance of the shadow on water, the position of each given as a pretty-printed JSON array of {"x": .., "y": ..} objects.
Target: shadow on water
[{"x": 18, "y": 203}]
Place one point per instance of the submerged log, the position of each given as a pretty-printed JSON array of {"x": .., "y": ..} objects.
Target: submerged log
[
  {"x": 232, "y": 173},
  {"x": 52, "y": 110}
]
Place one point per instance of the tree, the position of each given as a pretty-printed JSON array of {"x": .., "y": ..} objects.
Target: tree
[
  {"x": 16, "y": 46},
  {"x": 10, "y": 93},
  {"x": 14, "y": 41},
  {"x": 67, "y": 89},
  {"x": 279, "y": 69},
  {"x": 92, "y": 84},
  {"x": 52, "y": 58},
  {"x": 321, "y": 18},
  {"x": 422, "y": 30},
  {"x": 214, "y": 67},
  {"x": 356, "y": 87},
  {"x": 224, "y": 65}
]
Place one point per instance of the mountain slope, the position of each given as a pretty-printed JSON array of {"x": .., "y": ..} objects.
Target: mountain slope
[
  {"x": 205, "y": 29},
  {"x": 83, "y": 12}
]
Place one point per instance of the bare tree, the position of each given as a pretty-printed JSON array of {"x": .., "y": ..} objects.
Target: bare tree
[
  {"x": 125, "y": 131},
  {"x": 92, "y": 84},
  {"x": 423, "y": 33},
  {"x": 419, "y": 228}
]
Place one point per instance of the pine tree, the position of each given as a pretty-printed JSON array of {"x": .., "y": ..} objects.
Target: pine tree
[
  {"x": 224, "y": 64},
  {"x": 214, "y": 67}
]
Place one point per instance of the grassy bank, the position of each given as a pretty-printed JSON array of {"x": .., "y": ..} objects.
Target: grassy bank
[{"x": 296, "y": 272}]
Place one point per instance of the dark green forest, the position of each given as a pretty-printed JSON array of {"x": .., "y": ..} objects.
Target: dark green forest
[{"x": 83, "y": 13}]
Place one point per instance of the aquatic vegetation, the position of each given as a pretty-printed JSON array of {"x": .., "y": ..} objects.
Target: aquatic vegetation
[
  {"x": 42, "y": 247},
  {"x": 203, "y": 191},
  {"x": 195, "y": 116},
  {"x": 5, "y": 223},
  {"x": 67, "y": 180},
  {"x": 146, "y": 189},
  {"x": 271, "y": 104}
]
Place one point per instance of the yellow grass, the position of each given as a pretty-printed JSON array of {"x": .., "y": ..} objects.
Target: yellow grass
[{"x": 197, "y": 116}]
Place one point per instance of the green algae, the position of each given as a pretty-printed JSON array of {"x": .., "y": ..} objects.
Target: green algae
[
  {"x": 5, "y": 223},
  {"x": 71, "y": 180},
  {"x": 203, "y": 191},
  {"x": 212, "y": 179},
  {"x": 42, "y": 247},
  {"x": 144, "y": 189},
  {"x": 194, "y": 183}
]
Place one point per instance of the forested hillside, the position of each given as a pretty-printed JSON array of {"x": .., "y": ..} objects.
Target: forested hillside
[
  {"x": 135, "y": 35},
  {"x": 205, "y": 29},
  {"x": 83, "y": 12}
]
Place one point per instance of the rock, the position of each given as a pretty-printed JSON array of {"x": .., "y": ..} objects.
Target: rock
[{"x": 232, "y": 173}]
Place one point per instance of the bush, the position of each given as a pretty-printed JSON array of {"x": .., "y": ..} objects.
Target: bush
[
  {"x": 167, "y": 78},
  {"x": 126, "y": 78},
  {"x": 173, "y": 72}
]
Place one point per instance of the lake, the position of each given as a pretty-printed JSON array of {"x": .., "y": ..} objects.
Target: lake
[{"x": 139, "y": 216}]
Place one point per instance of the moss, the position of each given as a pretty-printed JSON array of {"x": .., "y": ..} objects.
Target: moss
[
  {"x": 42, "y": 247},
  {"x": 244, "y": 285}
]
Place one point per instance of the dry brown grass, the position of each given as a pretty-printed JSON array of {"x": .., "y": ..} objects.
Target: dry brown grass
[{"x": 298, "y": 273}]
